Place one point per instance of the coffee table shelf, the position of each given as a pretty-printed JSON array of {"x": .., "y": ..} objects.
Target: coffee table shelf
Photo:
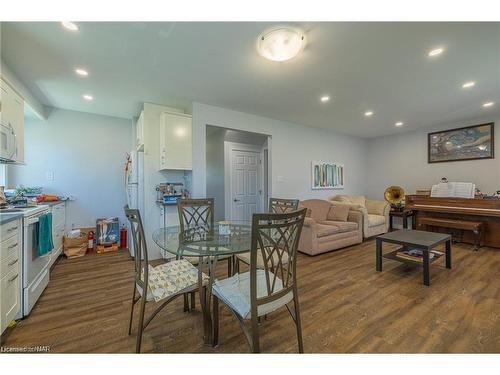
[{"x": 393, "y": 256}]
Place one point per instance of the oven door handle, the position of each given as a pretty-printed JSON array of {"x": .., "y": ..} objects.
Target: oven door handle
[{"x": 33, "y": 220}]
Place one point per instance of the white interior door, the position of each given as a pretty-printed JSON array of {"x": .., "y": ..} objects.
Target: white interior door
[{"x": 245, "y": 184}]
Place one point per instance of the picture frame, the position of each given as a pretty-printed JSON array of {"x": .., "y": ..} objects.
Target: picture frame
[
  {"x": 473, "y": 142},
  {"x": 327, "y": 175}
]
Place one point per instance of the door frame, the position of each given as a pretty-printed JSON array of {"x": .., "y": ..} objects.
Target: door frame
[{"x": 229, "y": 147}]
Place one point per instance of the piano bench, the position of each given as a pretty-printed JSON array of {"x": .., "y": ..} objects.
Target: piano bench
[{"x": 475, "y": 227}]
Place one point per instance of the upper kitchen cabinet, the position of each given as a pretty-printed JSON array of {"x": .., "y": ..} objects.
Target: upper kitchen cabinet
[
  {"x": 176, "y": 142},
  {"x": 139, "y": 127},
  {"x": 12, "y": 113}
]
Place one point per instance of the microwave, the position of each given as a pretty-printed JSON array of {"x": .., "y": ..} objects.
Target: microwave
[{"x": 8, "y": 146}]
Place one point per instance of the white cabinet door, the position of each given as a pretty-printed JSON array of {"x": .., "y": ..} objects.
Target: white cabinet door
[
  {"x": 176, "y": 141},
  {"x": 10, "y": 297},
  {"x": 12, "y": 112},
  {"x": 139, "y": 143}
]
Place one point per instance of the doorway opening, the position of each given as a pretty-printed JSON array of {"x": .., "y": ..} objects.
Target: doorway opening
[{"x": 238, "y": 172}]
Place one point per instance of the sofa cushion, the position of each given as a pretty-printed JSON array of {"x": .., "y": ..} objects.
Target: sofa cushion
[
  {"x": 323, "y": 230},
  {"x": 338, "y": 212},
  {"x": 308, "y": 210},
  {"x": 375, "y": 220},
  {"x": 344, "y": 226},
  {"x": 319, "y": 208},
  {"x": 354, "y": 199}
]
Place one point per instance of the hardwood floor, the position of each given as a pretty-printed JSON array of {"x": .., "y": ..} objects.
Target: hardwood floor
[{"x": 346, "y": 307}]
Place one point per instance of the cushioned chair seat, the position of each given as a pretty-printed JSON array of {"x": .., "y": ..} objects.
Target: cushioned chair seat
[
  {"x": 235, "y": 292},
  {"x": 245, "y": 258},
  {"x": 168, "y": 279},
  {"x": 323, "y": 230},
  {"x": 344, "y": 226},
  {"x": 375, "y": 220}
]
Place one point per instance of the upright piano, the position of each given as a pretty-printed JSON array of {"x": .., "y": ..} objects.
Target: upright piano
[{"x": 474, "y": 209}]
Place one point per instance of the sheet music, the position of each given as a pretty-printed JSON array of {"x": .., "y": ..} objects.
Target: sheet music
[{"x": 453, "y": 189}]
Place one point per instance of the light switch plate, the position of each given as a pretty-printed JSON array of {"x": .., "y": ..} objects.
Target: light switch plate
[{"x": 50, "y": 176}]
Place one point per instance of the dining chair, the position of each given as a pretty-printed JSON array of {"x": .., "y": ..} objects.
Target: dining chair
[
  {"x": 277, "y": 206},
  {"x": 253, "y": 294},
  {"x": 162, "y": 283},
  {"x": 199, "y": 214}
]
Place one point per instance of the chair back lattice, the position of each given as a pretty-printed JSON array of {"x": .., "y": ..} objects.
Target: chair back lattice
[
  {"x": 281, "y": 206},
  {"x": 275, "y": 237},
  {"x": 140, "y": 247},
  {"x": 197, "y": 213}
]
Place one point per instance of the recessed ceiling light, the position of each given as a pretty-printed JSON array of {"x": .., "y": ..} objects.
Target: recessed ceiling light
[
  {"x": 435, "y": 52},
  {"x": 81, "y": 72},
  {"x": 70, "y": 25},
  {"x": 281, "y": 44},
  {"x": 368, "y": 113},
  {"x": 399, "y": 123},
  {"x": 88, "y": 97},
  {"x": 488, "y": 104},
  {"x": 466, "y": 85},
  {"x": 324, "y": 98}
]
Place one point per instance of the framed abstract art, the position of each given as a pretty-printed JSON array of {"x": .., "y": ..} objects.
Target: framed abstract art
[
  {"x": 468, "y": 143},
  {"x": 327, "y": 175}
]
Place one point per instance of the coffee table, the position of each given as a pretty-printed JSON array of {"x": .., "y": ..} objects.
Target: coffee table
[{"x": 414, "y": 239}]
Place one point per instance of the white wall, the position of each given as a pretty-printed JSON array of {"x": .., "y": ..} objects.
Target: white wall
[
  {"x": 153, "y": 177},
  {"x": 402, "y": 160},
  {"x": 293, "y": 147},
  {"x": 86, "y": 153}
]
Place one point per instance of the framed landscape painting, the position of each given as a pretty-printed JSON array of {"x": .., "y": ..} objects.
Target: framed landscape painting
[
  {"x": 327, "y": 175},
  {"x": 468, "y": 143}
]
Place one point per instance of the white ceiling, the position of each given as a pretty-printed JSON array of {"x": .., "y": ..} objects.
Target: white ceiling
[{"x": 382, "y": 67}]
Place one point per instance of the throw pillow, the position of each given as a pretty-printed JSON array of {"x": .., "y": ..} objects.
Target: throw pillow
[{"x": 338, "y": 212}]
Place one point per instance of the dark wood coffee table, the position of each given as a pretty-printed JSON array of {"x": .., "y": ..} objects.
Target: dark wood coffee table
[{"x": 414, "y": 239}]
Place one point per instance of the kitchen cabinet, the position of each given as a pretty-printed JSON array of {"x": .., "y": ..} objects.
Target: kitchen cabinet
[
  {"x": 10, "y": 271},
  {"x": 12, "y": 112},
  {"x": 139, "y": 128},
  {"x": 176, "y": 142},
  {"x": 58, "y": 226}
]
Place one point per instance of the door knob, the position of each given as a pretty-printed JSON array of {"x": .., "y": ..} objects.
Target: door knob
[{"x": 236, "y": 200}]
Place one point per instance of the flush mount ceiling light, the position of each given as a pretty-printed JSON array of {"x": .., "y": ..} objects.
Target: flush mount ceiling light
[
  {"x": 324, "y": 99},
  {"x": 435, "y": 52},
  {"x": 368, "y": 113},
  {"x": 70, "y": 25},
  {"x": 488, "y": 104},
  {"x": 88, "y": 97},
  {"x": 281, "y": 44},
  {"x": 399, "y": 123},
  {"x": 467, "y": 85},
  {"x": 81, "y": 72}
]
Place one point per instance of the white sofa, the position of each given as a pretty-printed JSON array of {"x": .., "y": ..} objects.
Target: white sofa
[{"x": 375, "y": 213}]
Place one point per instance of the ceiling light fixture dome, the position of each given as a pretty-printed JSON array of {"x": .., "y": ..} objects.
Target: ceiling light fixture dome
[{"x": 281, "y": 44}]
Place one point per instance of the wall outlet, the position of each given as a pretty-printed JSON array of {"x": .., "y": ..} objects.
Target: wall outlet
[{"x": 50, "y": 175}]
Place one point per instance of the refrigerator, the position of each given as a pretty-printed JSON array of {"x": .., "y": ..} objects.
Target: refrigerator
[{"x": 134, "y": 179}]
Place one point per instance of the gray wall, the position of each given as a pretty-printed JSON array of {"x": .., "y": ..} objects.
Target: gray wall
[
  {"x": 215, "y": 161},
  {"x": 402, "y": 160},
  {"x": 293, "y": 147},
  {"x": 86, "y": 153}
]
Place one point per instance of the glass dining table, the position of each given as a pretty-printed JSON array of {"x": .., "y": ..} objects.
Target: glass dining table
[{"x": 208, "y": 245}]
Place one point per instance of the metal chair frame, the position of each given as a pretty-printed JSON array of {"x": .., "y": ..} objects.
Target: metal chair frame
[
  {"x": 199, "y": 213},
  {"x": 278, "y": 234},
  {"x": 277, "y": 206},
  {"x": 141, "y": 263}
]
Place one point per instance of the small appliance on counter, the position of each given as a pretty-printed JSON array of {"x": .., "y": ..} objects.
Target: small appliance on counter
[{"x": 169, "y": 192}]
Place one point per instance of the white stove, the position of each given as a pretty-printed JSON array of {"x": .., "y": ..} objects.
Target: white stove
[{"x": 35, "y": 267}]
